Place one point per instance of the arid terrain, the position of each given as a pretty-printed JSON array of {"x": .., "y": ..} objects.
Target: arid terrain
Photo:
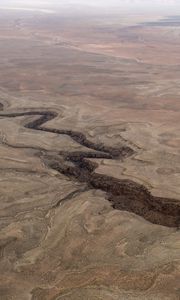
[{"x": 89, "y": 155}]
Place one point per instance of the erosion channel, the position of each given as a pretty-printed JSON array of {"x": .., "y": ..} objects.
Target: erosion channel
[{"x": 123, "y": 194}]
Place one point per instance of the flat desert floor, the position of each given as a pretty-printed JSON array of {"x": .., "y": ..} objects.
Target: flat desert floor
[{"x": 89, "y": 155}]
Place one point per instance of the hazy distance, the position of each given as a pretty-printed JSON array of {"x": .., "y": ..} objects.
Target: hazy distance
[{"x": 172, "y": 6}]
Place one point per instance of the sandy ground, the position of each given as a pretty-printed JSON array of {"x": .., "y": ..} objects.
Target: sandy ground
[{"x": 119, "y": 85}]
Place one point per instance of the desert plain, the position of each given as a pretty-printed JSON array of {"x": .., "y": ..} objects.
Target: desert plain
[{"x": 89, "y": 155}]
